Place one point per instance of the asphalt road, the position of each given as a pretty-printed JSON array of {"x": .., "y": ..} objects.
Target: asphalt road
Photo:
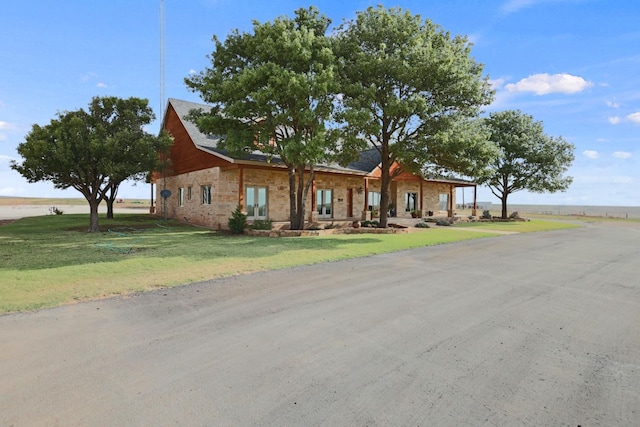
[{"x": 537, "y": 329}]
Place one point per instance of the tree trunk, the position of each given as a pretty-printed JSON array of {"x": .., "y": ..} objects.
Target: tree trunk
[
  {"x": 294, "y": 223},
  {"x": 110, "y": 199},
  {"x": 300, "y": 198},
  {"x": 109, "y": 202},
  {"x": 93, "y": 216},
  {"x": 385, "y": 186},
  {"x": 504, "y": 205}
]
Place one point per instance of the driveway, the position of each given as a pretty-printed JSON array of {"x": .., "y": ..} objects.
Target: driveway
[{"x": 539, "y": 329}]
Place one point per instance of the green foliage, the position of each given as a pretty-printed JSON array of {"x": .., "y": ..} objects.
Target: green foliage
[
  {"x": 237, "y": 221},
  {"x": 94, "y": 151},
  {"x": 410, "y": 90},
  {"x": 261, "y": 224},
  {"x": 443, "y": 222},
  {"x": 422, "y": 225},
  {"x": 486, "y": 215},
  {"x": 276, "y": 84},
  {"x": 530, "y": 159}
]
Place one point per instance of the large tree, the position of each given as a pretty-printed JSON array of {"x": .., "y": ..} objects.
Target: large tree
[
  {"x": 133, "y": 152},
  {"x": 410, "y": 90},
  {"x": 272, "y": 91},
  {"x": 529, "y": 159},
  {"x": 92, "y": 151}
]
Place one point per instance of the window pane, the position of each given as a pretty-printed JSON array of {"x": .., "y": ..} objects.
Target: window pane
[{"x": 444, "y": 202}]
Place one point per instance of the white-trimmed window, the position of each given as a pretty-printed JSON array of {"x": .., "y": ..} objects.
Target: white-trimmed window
[
  {"x": 444, "y": 202},
  {"x": 181, "y": 196},
  {"x": 188, "y": 193},
  {"x": 374, "y": 200},
  {"x": 206, "y": 194}
]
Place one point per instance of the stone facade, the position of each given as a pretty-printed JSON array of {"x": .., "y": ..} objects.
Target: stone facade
[{"x": 226, "y": 195}]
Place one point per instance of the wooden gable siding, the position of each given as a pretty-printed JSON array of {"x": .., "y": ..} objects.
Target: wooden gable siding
[
  {"x": 402, "y": 176},
  {"x": 185, "y": 156}
]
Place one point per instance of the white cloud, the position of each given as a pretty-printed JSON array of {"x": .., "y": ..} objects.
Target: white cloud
[
  {"x": 634, "y": 117},
  {"x": 192, "y": 72},
  {"x": 5, "y": 159},
  {"x": 613, "y": 104},
  {"x": 614, "y": 120},
  {"x": 622, "y": 154},
  {"x": 496, "y": 83},
  {"x": 543, "y": 84},
  {"x": 100, "y": 84},
  {"x": 7, "y": 126},
  {"x": 591, "y": 154}
]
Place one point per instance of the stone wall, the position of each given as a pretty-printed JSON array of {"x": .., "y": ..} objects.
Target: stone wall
[{"x": 225, "y": 195}]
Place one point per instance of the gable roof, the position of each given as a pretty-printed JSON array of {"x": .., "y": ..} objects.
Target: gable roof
[
  {"x": 368, "y": 161},
  {"x": 209, "y": 143}
]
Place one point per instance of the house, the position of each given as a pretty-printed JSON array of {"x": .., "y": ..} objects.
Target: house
[{"x": 207, "y": 183}]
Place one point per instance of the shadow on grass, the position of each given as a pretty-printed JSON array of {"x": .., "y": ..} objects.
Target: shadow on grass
[{"x": 60, "y": 241}]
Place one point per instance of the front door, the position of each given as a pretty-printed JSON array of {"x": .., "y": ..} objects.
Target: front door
[
  {"x": 323, "y": 203},
  {"x": 256, "y": 203}
]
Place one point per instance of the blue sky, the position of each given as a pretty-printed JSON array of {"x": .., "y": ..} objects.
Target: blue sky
[{"x": 572, "y": 64}]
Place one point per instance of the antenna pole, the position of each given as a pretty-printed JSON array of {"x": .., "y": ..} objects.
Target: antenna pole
[{"x": 161, "y": 57}]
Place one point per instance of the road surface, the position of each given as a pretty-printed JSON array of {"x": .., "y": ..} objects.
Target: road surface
[{"x": 538, "y": 329}]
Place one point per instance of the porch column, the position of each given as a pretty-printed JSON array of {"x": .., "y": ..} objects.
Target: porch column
[
  {"x": 241, "y": 188},
  {"x": 366, "y": 216},
  {"x": 422, "y": 196},
  {"x": 474, "y": 211},
  {"x": 450, "y": 212},
  {"x": 152, "y": 208},
  {"x": 313, "y": 195}
]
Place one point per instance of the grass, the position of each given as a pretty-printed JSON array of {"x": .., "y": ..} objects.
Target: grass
[
  {"x": 519, "y": 226},
  {"x": 51, "y": 260}
]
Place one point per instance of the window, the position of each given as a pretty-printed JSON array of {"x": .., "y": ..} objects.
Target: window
[
  {"x": 444, "y": 202},
  {"x": 181, "y": 196},
  {"x": 188, "y": 193},
  {"x": 374, "y": 200},
  {"x": 206, "y": 194},
  {"x": 256, "y": 199},
  {"x": 410, "y": 202},
  {"x": 323, "y": 203}
]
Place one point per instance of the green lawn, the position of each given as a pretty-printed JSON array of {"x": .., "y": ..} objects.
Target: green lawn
[
  {"x": 51, "y": 260},
  {"x": 520, "y": 226}
]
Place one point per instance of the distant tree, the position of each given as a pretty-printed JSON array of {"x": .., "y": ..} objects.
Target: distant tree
[
  {"x": 410, "y": 90},
  {"x": 529, "y": 160},
  {"x": 272, "y": 91},
  {"x": 94, "y": 151}
]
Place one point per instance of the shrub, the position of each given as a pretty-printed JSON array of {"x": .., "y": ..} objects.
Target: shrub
[
  {"x": 262, "y": 224},
  {"x": 514, "y": 215},
  {"x": 443, "y": 222},
  {"x": 422, "y": 225},
  {"x": 330, "y": 226},
  {"x": 237, "y": 221},
  {"x": 486, "y": 215}
]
